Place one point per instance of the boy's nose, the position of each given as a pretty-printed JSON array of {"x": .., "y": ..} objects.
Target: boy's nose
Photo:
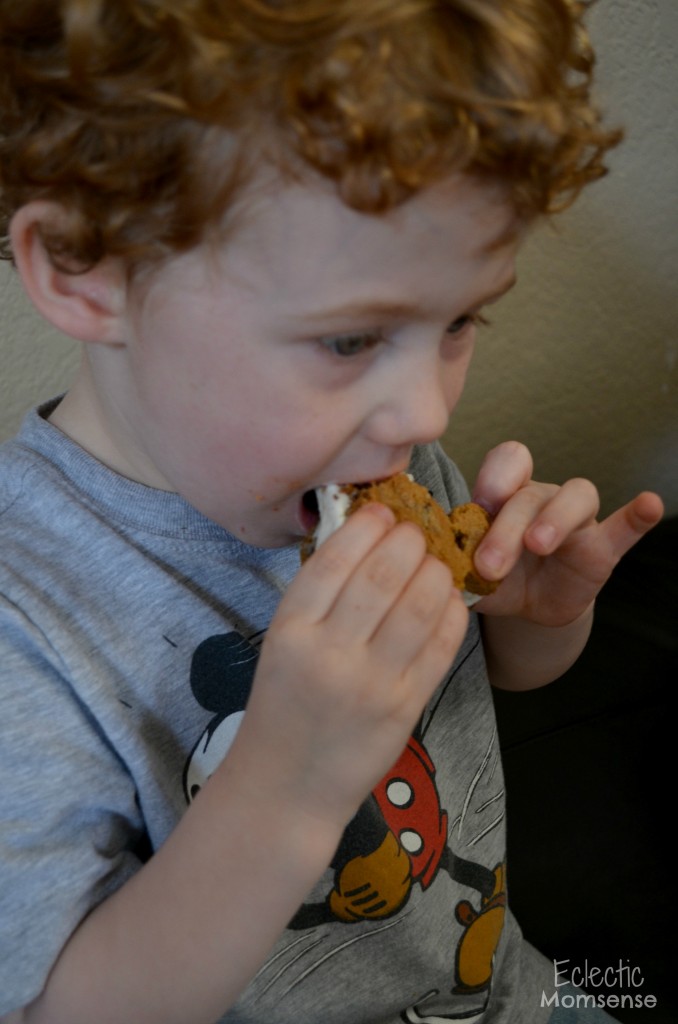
[{"x": 418, "y": 412}]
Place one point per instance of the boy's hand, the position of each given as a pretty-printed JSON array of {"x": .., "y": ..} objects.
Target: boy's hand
[
  {"x": 546, "y": 544},
  {"x": 360, "y": 641}
]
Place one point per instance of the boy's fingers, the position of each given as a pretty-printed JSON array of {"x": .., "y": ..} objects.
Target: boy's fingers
[
  {"x": 414, "y": 618},
  {"x": 379, "y": 584},
  {"x": 321, "y": 579},
  {"x": 503, "y": 545},
  {"x": 628, "y": 524},
  {"x": 504, "y": 470},
  {"x": 442, "y": 645},
  {"x": 539, "y": 517},
  {"x": 573, "y": 505}
]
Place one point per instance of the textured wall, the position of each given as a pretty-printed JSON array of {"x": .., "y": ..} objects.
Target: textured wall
[
  {"x": 581, "y": 360},
  {"x": 36, "y": 361}
]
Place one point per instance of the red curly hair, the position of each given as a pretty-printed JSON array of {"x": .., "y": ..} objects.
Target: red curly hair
[{"x": 143, "y": 118}]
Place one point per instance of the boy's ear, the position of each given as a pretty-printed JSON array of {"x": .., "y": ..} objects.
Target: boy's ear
[{"x": 88, "y": 306}]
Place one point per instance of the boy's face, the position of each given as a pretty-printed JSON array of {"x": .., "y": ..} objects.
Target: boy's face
[{"x": 319, "y": 346}]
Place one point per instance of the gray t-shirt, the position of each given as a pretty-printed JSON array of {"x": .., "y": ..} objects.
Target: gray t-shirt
[{"x": 130, "y": 626}]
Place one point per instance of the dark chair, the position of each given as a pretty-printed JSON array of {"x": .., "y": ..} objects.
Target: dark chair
[{"x": 590, "y": 777}]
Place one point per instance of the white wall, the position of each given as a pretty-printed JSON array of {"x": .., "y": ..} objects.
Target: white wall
[{"x": 581, "y": 360}]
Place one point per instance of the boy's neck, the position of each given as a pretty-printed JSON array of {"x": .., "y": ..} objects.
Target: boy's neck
[{"x": 97, "y": 427}]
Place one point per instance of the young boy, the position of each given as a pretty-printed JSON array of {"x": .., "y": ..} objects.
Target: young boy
[{"x": 274, "y": 225}]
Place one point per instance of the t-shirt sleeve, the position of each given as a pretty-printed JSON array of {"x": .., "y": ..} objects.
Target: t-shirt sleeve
[
  {"x": 69, "y": 820},
  {"x": 432, "y": 467}
]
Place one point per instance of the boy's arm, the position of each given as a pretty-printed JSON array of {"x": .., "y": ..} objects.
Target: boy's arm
[
  {"x": 357, "y": 647},
  {"x": 181, "y": 939},
  {"x": 553, "y": 557}
]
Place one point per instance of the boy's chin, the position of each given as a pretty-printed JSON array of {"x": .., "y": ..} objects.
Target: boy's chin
[{"x": 273, "y": 531}]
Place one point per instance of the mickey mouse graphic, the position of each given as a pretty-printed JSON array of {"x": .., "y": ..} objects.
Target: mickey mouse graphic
[
  {"x": 397, "y": 840},
  {"x": 222, "y": 672}
]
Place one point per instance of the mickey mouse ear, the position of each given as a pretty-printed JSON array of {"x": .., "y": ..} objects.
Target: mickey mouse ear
[{"x": 222, "y": 671}]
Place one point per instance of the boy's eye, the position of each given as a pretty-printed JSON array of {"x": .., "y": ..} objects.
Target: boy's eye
[
  {"x": 351, "y": 344},
  {"x": 458, "y": 325}
]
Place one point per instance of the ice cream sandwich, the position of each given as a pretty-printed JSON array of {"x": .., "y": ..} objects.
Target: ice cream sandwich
[{"x": 452, "y": 537}]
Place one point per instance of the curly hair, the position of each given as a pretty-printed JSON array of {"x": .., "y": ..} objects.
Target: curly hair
[{"x": 143, "y": 118}]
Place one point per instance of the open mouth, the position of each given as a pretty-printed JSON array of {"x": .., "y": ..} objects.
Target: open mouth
[
  {"x": 331, "y": 507},
  {"x": 310, "y": 514}
]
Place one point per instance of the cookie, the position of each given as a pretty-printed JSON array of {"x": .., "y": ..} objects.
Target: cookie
[{"x": 453, "y": 537}]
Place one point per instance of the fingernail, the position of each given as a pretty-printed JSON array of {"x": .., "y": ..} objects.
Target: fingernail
[
  {"x": 383, "y": 511},
  {"x": 490, "y": 506},
  {"x": 491, "y": 557},
  {"x": 544, "y": 534}
]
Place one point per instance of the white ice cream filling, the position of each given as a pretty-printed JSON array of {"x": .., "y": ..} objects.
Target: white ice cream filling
[{"x": 333, "y": 505}]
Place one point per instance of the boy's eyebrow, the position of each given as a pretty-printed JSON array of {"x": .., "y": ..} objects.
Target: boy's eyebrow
[{"x": 398, "y": 309}]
